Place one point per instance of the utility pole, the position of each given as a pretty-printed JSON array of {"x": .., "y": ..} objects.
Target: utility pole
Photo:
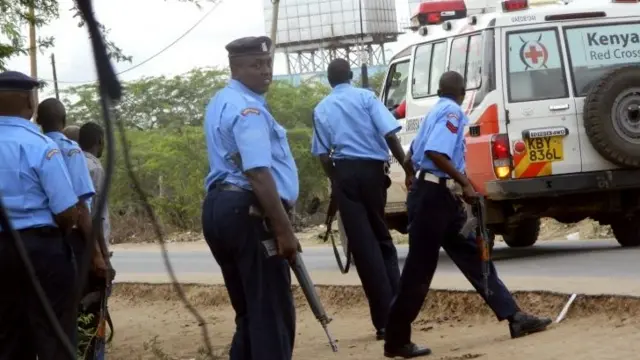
[
  {"x": 364, "y": 73},
  {"x": 55, "y": 76},
  {"x": 33, "y": 48},
  {"x": 274, "y": 25}
]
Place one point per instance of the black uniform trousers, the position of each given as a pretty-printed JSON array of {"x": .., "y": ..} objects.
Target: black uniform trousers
[
  {"x": 93, "y": 283},
  {"x": 436, "y": 217},
  {"x": 258, "y": 282},
  {"x": 25, "y": 331},
  {"x": 361, "y": 189}
]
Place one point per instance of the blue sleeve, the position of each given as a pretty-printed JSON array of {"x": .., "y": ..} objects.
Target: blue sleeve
[
  {"x": 55, "y": 180},
  {"x": 252, "y": 134},
  {"x": 383, "y": 119},
  {"x": 79, "y": 172},
  {"x": 320, "y": 138},
  {"x": 444, "y": 135}
]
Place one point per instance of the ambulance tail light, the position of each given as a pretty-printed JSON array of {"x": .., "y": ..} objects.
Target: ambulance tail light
[
  {"x": 501, "y": 156},
  {"x": 514, "y": 5}
]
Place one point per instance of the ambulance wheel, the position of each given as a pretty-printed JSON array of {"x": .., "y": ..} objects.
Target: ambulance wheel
[
  {"x": 522, "y": 234},
  {"x": 612, "y": 116},
  {"x": 626, "y": 230}
]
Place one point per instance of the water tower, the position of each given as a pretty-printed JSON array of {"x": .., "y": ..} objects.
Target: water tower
[{"x": 311, "y": 33}]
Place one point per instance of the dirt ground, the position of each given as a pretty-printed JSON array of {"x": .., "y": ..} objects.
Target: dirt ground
[{"x": 152, "y": 324}]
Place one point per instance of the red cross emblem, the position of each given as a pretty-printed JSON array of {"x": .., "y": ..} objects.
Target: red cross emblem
[{"x": 534, "y": 54}]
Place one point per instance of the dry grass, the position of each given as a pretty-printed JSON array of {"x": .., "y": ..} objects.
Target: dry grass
[{"x": 457, "y": 305}]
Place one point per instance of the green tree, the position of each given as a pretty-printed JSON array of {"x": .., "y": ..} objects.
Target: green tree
[
  {"x": 164, "y": 118},
  {"x": 16, "y": 14}
]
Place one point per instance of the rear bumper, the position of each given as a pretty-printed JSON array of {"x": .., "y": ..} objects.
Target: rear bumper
[{"x": 558, "y": 185}]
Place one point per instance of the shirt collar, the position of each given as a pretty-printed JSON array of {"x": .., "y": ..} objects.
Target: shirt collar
[
  {"x": 18, "y": 121},
  {"x": 237, "y": 85},
  {"x": 447, "y": 100},
  {"x": 341, "y": 86},
  {"x": 55, "y": 135},
  {"x": 90, "y": 156}
]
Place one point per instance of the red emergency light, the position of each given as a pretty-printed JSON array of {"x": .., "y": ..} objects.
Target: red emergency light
[
  {"x": 514, "y": 5},
  {"x": 436, "y": 12},
  {"x": 626, "y": 1}
]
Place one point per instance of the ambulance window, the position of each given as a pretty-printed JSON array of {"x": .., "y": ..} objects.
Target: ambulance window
[
  {"x": 421, "y": 69},
  {"x": 458, "y": 58},
  {"x": 534, "y": 67},
  {"x": 466, "y": 59},
  {"x": 473, "y": 73},
  {"x": 596, "y": 50},
  {"x": 396, "y": 87},
  {"x": 438, "y": 66}
]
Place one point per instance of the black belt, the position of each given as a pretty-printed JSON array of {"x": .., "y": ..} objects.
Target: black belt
[
  {"x": 45, "y": 231},
  {"x": 236, "y": 188}
]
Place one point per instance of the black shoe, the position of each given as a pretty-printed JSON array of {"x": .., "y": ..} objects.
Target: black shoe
[
  {"x": 408, "y": 351},
  {"x": 380, "y": 334},
  {"x": 522, "y": 324}
]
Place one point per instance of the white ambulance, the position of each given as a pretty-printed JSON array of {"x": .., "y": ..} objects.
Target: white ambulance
[{"x": 553, "y": 99}]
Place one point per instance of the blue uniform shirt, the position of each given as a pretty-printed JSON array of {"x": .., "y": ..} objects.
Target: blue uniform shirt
[
  {"x": 242, "y": 135},
  {"x": 441, "y": 131},
  {"x": 352, "y": 122},
  {"x": 34, "y": 181},
  {"x": 76, "y": 165}
]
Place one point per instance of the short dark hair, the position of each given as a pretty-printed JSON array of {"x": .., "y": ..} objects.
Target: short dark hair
[
  {"x": 339, "y": 72},
  {"x": 451, "y": 84},
  {"x": 51, "y": 114},
  {"x": 90, "y": 135}
]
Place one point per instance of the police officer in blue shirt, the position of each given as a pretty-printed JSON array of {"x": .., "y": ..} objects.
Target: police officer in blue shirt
[
  {"x": 37, "y": 194},
  {"x": 353, "y": 132},
  {"x": 252, "y": 185},
  {"x": 51, "y": 116},
  {"x": 436, "y": 217}
]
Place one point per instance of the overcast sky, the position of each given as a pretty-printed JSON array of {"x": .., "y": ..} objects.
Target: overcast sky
[{"x": 143, "y": 27}]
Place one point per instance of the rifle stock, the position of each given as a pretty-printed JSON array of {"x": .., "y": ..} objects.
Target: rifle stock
[
  {"x": 309, "y": 290},
  {"x": 482, "y": 240}
]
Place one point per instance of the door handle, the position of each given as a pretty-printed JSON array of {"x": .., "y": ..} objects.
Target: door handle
[{"x": 559, "y": 107}]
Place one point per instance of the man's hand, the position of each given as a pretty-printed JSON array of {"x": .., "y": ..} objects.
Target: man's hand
[
  {"x": 408, "y": 181},
  {"x": 409, "y": 174},
  {"x": 469, "y": 194},
  {"x": 288, "y": 246},
  {"x": 102, "y": 268}
]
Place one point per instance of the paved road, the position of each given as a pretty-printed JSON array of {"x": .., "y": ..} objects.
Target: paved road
[{"x": 586, "y": 258}]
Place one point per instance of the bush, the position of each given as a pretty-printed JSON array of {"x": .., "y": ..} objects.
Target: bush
[{"x": 164, "y": 120}]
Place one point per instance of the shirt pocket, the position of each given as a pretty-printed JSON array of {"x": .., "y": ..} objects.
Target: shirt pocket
[{"x": 280, "y": 145}]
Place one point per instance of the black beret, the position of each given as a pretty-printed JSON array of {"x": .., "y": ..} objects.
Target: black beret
[
  {"x": 252, "y": 45},
  {"x": 17, "y": 81}
]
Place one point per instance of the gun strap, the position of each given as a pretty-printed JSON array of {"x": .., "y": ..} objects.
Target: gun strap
[
  {"x": 110, "y": 323},
  {"x": 344, "y": 268}
]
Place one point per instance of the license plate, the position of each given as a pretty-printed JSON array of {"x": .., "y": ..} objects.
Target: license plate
[{"x": 545, "y": 149}]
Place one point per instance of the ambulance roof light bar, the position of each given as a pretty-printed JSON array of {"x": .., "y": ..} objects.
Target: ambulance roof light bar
[
  {"x": 437, "y": 12},
  {"x": 625, "y": 1},
  {"x": 514, "y": 5}
]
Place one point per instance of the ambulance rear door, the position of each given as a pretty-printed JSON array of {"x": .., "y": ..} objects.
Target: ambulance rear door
[{"x": 542, "y": 121}]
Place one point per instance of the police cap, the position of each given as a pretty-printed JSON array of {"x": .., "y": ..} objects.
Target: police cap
[
  {"x": 248, "y": 46},
  {"x": 17, "y": 81}
]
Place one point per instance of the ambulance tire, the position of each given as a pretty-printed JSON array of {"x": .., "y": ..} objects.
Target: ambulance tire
[
  {"x": 522, "y": 234},
  {"x": 626, "y": 230},
  {"x": 602, "y": 129}
]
